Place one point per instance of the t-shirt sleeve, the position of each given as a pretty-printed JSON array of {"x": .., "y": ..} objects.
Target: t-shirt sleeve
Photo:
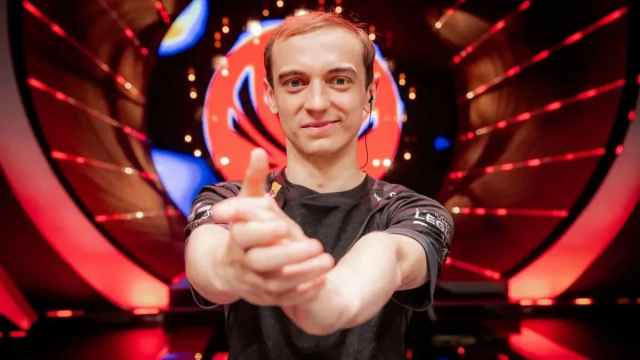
[
  {"x": 430, "y": 224},
  {"x": 201, "y": 214},
  {"x": 203, "y": 203}
]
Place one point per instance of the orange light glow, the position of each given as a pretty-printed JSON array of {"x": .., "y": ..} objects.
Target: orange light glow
[
  {"x": 544, "y": 302},
  {"x": 146, "y": 311},
  {"x": 66, "y": 313},
  {"x": 583, "y": 301}
]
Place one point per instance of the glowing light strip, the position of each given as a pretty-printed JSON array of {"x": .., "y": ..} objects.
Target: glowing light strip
[
  {"x": 570, "y": 156},
  {"x": 17, "y": 334},
  {"x": 544, "y": 54},
  {"x": 57, "y": 216},
  {"x": 448, "y": 13},
  {"x": 538, "y": 302},
  {"x": 65, "y": 313},
  {"x": 146, "y": 311},
  {"x": 162, "y": 11},
  {"x": 584, "y": 301},
  {"x": 557, "y": 213},
  {"x": 550, "y": 107},
  {"x": 533, "y": 345},
  {"x": 128, "y": 32},
  {"x": 488, "y": 273},
  {"x": 589, "y": 235},
  {"x": 60, "y": 96},
  {"x": 59, "y": 31},
  {"x": 578, "y": 301},
  {"x": 497, "y": 27},
  {"x": 137, "y": 215},
  {"x": 13, "y": 305},
  {"x": 102, "y": 165}
]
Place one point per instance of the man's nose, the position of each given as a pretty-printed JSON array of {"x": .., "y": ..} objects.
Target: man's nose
[{"x": 317, "y": 97}]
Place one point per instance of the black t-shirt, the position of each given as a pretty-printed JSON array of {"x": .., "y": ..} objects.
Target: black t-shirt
[{"x": 337, "y": 219}]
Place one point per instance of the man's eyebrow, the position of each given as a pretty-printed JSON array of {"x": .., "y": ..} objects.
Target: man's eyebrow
[
  {"x": 286, "y": 74},
  {"x": 343, "y": 69},
  {"x": 337, "y": 70}
]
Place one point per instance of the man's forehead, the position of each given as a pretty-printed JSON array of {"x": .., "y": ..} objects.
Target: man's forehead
[{"x": 331, "y": 48}]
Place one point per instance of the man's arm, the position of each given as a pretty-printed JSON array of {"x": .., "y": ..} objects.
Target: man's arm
[
  {"x": 206, "y": 244},
  {"x": 362, "y": 283}
]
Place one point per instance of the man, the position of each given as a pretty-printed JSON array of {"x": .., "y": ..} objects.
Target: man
[{"x": 331, "y": 263}]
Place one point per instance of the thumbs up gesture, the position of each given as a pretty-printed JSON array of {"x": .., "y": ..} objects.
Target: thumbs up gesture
[{"x": 269, "y": 260}]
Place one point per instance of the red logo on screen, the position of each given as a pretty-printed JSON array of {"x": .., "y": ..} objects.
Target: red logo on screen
[{"x": 236, "y": 118}]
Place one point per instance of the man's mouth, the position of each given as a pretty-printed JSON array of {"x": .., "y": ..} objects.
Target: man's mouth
[{"x": 319, "y": 124}]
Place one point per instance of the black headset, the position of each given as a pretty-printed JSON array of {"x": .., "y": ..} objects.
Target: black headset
[{"x": 366, "y": 148}]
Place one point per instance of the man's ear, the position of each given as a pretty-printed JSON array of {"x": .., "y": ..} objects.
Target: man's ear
[
  {"x": 372, "y": 92},
  {"x": 269, "y": 97}
]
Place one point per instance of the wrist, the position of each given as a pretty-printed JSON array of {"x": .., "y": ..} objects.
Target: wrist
[
  {"x": 211, "y": 253},
  {"x": 334, "y": 308},
  {"x": 344, "y": 288},
  {"x": 220, "y": 265}
]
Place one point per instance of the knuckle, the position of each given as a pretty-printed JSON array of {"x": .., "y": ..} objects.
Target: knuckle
[{"x": 272, "y": 287}]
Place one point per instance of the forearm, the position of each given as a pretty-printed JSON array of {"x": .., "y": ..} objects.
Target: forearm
[
  {"x": 357, "y": 288},
  {"x": 205, "y": 246}
]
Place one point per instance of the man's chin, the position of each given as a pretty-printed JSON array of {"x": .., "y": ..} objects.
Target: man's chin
[
  {"x": 324, "y": 151},
  {"x": 320, "y": 148}
]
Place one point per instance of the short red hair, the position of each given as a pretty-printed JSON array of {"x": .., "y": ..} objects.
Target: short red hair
[{"x": 315, "y": 20}]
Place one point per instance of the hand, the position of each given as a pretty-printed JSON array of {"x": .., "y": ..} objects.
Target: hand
[{"x": 269, "y": 260}]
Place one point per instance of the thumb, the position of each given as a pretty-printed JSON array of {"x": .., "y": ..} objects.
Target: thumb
[{"x": 255, "y": 176}]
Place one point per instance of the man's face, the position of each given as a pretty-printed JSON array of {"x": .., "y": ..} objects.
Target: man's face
[{"x": 319, "y": 90}]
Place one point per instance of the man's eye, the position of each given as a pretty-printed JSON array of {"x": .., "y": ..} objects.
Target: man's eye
[
  {"x": 341, "y": 81},
  {"x": 293, "y": 83}
]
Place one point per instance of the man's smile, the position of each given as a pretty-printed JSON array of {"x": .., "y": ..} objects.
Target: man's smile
[{"x": 319, "y": 127}]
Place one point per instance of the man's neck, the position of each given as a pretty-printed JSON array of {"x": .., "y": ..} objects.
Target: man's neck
[{"x": 324, "y": 175}]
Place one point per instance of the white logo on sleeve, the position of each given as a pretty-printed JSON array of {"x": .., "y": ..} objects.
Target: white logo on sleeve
[
  {"x": 200, "y": 212},
  {"x": 425, "y": 218}
]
